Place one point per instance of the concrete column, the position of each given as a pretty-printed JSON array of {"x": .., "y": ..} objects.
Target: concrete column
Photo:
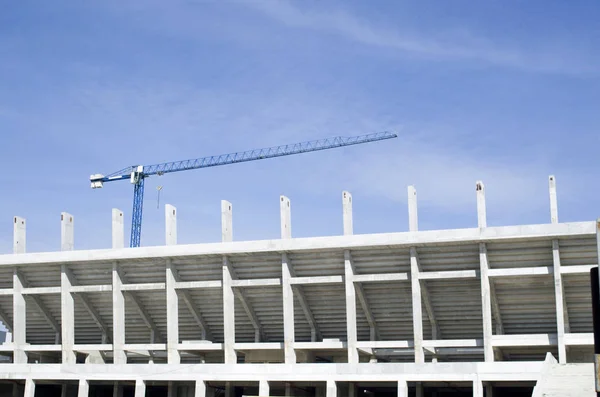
[
  {"x": 19, "y": 319},
  {"x": 29, "y": 388},
  {"x": 286, "y": 217},
  {"x": 228, "y": 389},
  {"x": 15, "y": 390},
  {"x": 117, "y": 389},
  {"x": 84, "y": 388},
  {"x": 263, "y": 388},
  {"x": 288, "y": 310},
  {"x": 140, "y": 388},
  {"x": 67, "y": 315},
  {"x": 172, "y": 389},
  {"x": 331, "y": 389},
  {"x": 226, "y": 221},
  {"x": 486, "y": 300},
  {"x": 170, "y": 225},
  {"x": 63, "y": 390},
  {"x": 67, "y": 235},
  {"x": 19, "y": 235},
  {"x": 200, "y": 389},
  {"x": 118, "y": 339},
  {"x": 288, "y": 390},
  {"x": 489, "y": 391},
  {"x": 561, "y": 313},
  {"x": 402, "y": 388},
  {"x": 477, "y": 388},
  {"x": 420, "y": 391},
  {"x": 118, "y": 229},
  {"x": 173, "y": 355},
  {"x": 349, "y": 282},
  {"x": 413, "y": 226},
  {"x": 351, "y": 389}
]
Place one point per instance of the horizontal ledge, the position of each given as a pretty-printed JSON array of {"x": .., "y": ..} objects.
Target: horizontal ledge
[
  {"x": 262, "y": 282},
  {"x": 317, "y": 280},
  {"x": 41, "y": 290},
  {"x": 584, "y": 339},
  {"x": 379, "y": 344},
  {"x": 377, "y": 278},
  {"x": 577, "y": 269},
  {"x": 92, "y": 347},
  {"x": 448, "y": 274},
  {"x": 144, "y": 346},
  {"x": 319, "y": 345},
  {"x": 521, "y": 271},
  {"x": 453, "y": 343},
  {"x": 524, "y": 340},
  {"x": 143, "y": 287},
  {"x": 259, "y": 346},
  {"x": 42, "y": 348},
  {"x": 91, "y": 288},
  {"x": 6, "y": 291},
  {"x": 198, "y": 284},
  {"x": 350, "y": 242},
  {"x": 199, "y": 346}
]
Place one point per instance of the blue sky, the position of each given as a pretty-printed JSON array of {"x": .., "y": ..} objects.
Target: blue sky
[{"x": 503, "y": 91}]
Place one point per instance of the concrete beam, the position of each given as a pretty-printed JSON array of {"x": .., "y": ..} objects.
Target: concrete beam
[
  {"x": 67, "y": 235},
  {"x": 521, "y": 271},
  {"x": 380, "y": 278},
  {"x": 259, "y": 282},
  {"x": 199, "y": 284},
  {"x": 449, "y": 274},
  {"x": 317, "y": 280},
  {"x": 118, "y": 229},
  {"x": 144, "y": 287}
]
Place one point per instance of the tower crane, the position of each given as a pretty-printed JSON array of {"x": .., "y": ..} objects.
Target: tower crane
[{"x": 138, "y": 173}]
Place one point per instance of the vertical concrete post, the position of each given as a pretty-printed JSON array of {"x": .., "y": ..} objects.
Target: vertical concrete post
[
  {"x": 200, "y": 389},
  {"x": 118, "y": 229},
  {"x": 118, "y": 339},
  {"x": 29, "y": 388},
  {"x": 173, "y": 355},
  {"x": 226, "y": 221},
  {"x": 117, "y": 389},
  {"x": 489, "y": 390},
  {"x": 19, "y": 319},
  {"x": 170, "y": 225},
  {"x": 287, "y": 291},
  {"x": 67, "y": 236},
  {"x": 413, "y": 226},
  {"x": 402, "y": 388},
  {"x": 349, "y": 283},
  {"x": 140, "y": 388},
  {"x": 228, "y": 294},
  {"x": 419, "y": 391},
  {"x": 19, "y": 235},
  {"x": 486, "y": 300},
  {"x": 67, "y": 315},
  {"x": 84, "y": 388},
  {"x": 331, "y": 389},
  {"x": 286, "y": 217},
  {"x": 288, "y": 389},
  {"x": 351, "y": 389},
  {"x": 263, "y": 388},
  {"x": 477, "y": 388},
  {"x": 562, "y": 319}
]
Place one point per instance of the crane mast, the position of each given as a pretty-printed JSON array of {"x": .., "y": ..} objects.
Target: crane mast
[{"x": 137, "y": 174}]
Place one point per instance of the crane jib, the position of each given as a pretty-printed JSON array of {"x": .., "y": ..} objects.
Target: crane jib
[{"x": 137, "y": 174}]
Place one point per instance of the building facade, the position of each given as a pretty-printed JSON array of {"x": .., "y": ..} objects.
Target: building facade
[{"x": 476, "y": 311}]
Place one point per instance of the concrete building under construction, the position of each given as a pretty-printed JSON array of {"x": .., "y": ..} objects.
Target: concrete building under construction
[{"x": 482, "y": 311}]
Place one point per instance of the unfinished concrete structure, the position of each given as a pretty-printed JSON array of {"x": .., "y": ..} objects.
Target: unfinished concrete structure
[{"x": 478, "y": 311}]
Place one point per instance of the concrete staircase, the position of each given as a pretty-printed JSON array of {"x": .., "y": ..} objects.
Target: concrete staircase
[{"x": 565, "y": 380}]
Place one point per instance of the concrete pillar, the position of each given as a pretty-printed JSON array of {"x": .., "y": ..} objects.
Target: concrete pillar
[
  {"x": 117, "y": 389},
  {"x": 19, "y": 319},
  {"x": 67, "y": 315},
  {"x": 19, "y": 235},
  {"x": 349, "y": 282},
  {"x": 170, "y": 225},
  {"x": 417, "y": 309},
  {"x": 486, "y": 300},
  {"x": 140, "y": 388},
  {"x": 288, "y": 390},
  {"x": 263, "y": 388},
  {"x": 29, "y": 388},
  {"x": 173, "y": 355},
  {"x": 351, "y": 389},
  {"x": 84, "y": 388},
  {"x": 402, "y": 388},
  {"x": 228, "y": 389},
  {"x": 331, "y": 389},
  {"x": 226, "y": 221},
  {"x": 288, "y": 310},
  {"x": 63, "y": 390},
  {"x": 477, "y": 388},
  {"x": 489, "y": 391},
  {"x": 15, "y": 390},
  {"x": 419, "y": 391},
  {"x": 67, "y": 235},
  {"x": 118, "y": 339},
  {"x": 118, "y": 229},
  {"x": 200, "y": 389},
  {"x": 562, "y": 319},
  {"x": 286, "y": 217},
  {"x": 171, "y": 389}
]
